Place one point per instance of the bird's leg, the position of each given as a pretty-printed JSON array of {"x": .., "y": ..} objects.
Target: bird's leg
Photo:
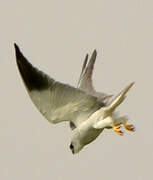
[
  {"x": 110, "y": 122},
  {"x": 116, "y": 125},
  {"x": 123, "y": 120},
  {"x": 128, "y": 127},
  {"x": 117, "y": 129}
]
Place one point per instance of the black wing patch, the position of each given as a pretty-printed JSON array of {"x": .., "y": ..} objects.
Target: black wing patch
[{"x": 32, "y": 77}]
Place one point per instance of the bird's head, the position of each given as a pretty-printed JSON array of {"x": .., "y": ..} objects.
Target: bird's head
[{"x": 76, "y": 145}]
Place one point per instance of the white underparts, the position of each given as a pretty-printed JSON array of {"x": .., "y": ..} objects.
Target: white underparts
[
  {"x": 110, "y": 121},
  {"x": 103, "y": 123}
]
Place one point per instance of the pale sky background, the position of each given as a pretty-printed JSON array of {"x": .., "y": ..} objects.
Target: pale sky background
[{"x": 55, "y": 36}]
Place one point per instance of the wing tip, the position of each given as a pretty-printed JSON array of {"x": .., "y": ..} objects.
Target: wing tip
[
  {"x": 93, "y": 58},
  {"x": 15, "y": 45},
  {"x": 16, "y": 48},
  {"x": 17, "y": 52},
  {"x": 86, "y": 57},
  {"x": 95, "y": 52},
  {"x": 94, "y": 55}
]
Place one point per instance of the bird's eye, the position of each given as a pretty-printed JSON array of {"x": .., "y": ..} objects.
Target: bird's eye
[{"x": 71, "y": 146}]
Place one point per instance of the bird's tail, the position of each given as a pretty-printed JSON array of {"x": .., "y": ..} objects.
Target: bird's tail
[{"x": 118, "y": 99}]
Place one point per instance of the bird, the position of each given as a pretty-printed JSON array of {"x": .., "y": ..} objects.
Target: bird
[{"x": 59, "y": 102}]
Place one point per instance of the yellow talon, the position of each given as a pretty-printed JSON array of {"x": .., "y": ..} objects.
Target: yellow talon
[
  {"x": 118, "y": 130},
  {"x": 129, "y": 127}
]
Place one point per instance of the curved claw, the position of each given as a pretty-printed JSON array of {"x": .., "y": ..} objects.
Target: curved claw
[
  {"x": 130, "y": 127},
  {"x": 118, "y": 130}
]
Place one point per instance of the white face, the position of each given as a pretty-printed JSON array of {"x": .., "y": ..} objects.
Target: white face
[{"x": 75, "y": 145}]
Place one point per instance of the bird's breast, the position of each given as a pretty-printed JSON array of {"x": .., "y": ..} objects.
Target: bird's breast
[{"x": 88, "y": 134}]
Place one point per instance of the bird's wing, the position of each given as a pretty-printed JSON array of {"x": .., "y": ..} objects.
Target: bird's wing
[
  {"x": 56, "y": 101},
  {"x": 85, "y": 81},
  {"x": 83, "y": 70}
]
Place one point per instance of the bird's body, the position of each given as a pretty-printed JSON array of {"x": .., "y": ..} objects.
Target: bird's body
[
  {"x": 92, "y": 127},
  {"x": 87, "y": 113},
  {"x": 87, "y": 131}
]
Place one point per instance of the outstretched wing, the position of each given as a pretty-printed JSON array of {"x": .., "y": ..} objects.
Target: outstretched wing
[
  {"x": 85, "y": 81},
  {"x": 56, "y": 101},
  {"x": 83, "y": 70}
]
